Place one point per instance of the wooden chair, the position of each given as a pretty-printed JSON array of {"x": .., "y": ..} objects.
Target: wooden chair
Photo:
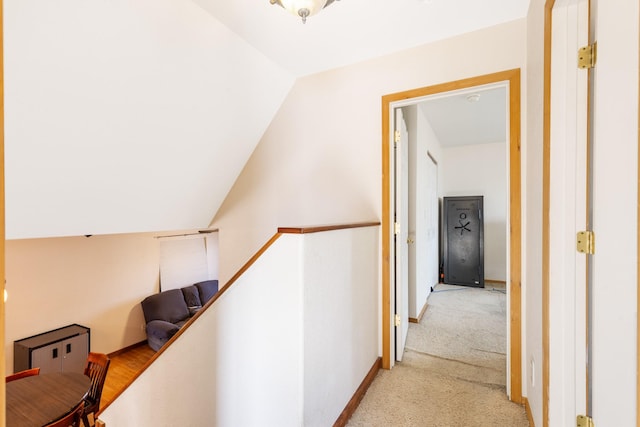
[
  {"x": 96, "y": 369},
  {"x": 22, "y": 374},
  {"x": 72, "y": 419}
]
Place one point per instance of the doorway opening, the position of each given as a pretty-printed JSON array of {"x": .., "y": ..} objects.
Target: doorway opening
[{"x": 511, "y": 80}]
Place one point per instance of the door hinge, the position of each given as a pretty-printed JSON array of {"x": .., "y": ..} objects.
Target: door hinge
[
  {"x": 586, "y": 242},
  {"x": 396, "y": 137},
  {"x": 397, "y": 321},
  {"x": 587, "y": 56},
  {"x": 584, "y": 421},
  {"x": 396, "y": 228}
]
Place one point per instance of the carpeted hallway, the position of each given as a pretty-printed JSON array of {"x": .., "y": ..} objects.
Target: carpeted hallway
[{"x": 453, "y": 372}]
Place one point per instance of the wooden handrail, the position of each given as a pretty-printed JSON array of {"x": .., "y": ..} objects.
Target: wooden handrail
[
  {"x": 245, "y": 267},
  {"x": 321, "y": 228}
]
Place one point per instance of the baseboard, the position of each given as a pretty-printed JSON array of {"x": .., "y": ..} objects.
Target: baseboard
[
  {"x": 351, "y": 407},
  {"x": 123, "y": 350},
  {"x": 528, "y": 410},
  {"x": 414, "y": 320},
  {"x": 497, "y": 282}
]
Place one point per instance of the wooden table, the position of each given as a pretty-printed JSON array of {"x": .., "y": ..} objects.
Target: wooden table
[{"x": 40, "y": 399}]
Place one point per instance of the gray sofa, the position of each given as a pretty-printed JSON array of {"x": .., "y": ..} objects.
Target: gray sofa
[{"x": 166, "y": 312}]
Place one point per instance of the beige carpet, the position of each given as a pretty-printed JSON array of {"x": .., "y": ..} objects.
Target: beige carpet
[{"x": 453, "y": 372}]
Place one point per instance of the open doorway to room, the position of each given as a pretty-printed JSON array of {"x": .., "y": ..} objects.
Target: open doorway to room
[{"x": 433, "y": 101}]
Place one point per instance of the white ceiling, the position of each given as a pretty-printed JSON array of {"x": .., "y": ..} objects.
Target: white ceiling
[
  {"x": 350, "y": 31},
  {"x": 470, "y": 117}
]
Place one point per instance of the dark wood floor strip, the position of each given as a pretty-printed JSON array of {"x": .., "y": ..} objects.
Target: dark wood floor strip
[{"x": 125, "y": 365}]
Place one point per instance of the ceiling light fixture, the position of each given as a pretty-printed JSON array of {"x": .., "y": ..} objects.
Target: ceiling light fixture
[
  {"x": 473, "y": 98},
  {"x": 303, "y": 8}
]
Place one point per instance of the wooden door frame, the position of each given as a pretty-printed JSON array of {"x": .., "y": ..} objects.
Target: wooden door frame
[
  {"x": 546, "y": 178},
  {"x": 512, "y": 77},
  {"x": 2, "y": 217}
]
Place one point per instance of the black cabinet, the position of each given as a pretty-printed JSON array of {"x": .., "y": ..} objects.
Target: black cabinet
[
  {"x": 60, "y": 350},
  {"x": 463, "y": 241}
]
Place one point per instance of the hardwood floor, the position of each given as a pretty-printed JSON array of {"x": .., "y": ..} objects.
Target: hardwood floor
[{"x": 123, "y": 367}]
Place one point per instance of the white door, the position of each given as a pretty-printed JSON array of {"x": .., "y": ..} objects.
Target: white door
[
  {"x": 568, "y": 215},
  {"x": 615, "y": 214},
  {"x": 401, "y": 209}
]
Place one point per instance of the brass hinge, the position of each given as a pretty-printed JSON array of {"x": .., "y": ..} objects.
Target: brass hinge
[
  {"x": 587, "y": 56},
  {"x": 396, "y": 137},
  {"x": 397, "y": 320},
  {"x": 396, "y": 228},
  {"x": 586, "y": 242},
  {"x": 584, "y": 421}
]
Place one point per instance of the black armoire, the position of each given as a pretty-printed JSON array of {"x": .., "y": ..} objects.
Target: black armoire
[{"x": 463, "y": 241}]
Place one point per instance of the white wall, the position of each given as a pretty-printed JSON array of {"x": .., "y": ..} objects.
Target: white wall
[
  {"x": 320, "y": 159},
  {"x": 119, "y": 115},
  {"x": 97, "y": 282},
  {"x": 287, "y": 345},
  {"x": 481, "y": 170},
  {"x": 432, "y": 143},
  {"x": 213, "y": 255},
  {"x": 340, "y": 312},
  {"x": 432, "y": 232}
]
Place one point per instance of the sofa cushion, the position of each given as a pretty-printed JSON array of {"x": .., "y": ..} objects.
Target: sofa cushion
[
  {"x": 168, "y": 305},
  {"x": 159, "y": 332},
  {"x": 191, "y": 296},
  {"x": 207, "y": 289}
]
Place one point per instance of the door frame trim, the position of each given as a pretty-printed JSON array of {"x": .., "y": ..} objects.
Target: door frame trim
[
  {"x": 546, "y": 176},
  {"x": 2, "y": 215},
  {"x": 515, "y": 215}
]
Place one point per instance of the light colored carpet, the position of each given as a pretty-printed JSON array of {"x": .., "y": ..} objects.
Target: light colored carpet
[{"x": 453, "y": 372}]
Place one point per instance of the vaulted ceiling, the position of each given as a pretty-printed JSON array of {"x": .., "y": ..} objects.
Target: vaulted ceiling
[{"x": 131, "y": 116}]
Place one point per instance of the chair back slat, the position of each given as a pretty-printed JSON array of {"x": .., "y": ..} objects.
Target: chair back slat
[{"x": 96, "y": 369}]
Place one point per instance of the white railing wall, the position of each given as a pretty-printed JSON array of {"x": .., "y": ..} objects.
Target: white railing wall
[
  {"x": 287, "y": 344},
  {"x": 341, "y": 305}
]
